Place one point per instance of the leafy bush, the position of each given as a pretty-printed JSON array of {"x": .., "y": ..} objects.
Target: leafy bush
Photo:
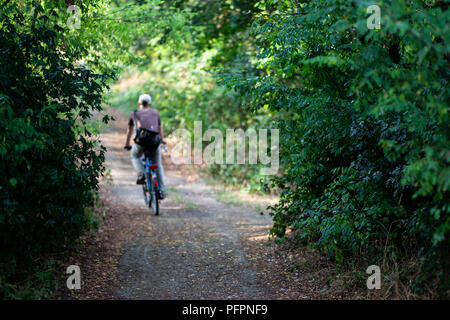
[
  {"x": 49, "y": 161},
  {"x": 364, "y": 119}
]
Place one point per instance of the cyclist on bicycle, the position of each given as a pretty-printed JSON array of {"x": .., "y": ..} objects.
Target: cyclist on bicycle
[{"x": 149, "y": 119}]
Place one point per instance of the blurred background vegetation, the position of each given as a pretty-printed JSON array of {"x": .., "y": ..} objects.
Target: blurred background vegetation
[{"x": 363, "y": 113}]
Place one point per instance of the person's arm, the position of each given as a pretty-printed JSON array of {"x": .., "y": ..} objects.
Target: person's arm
[
  {"x": 161, "y": 132},
  {"x": 129, "y": 134}
]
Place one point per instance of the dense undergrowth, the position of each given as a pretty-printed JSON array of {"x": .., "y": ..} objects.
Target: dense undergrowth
[
  {"x": 50, "y": 162},
  {"x": 365, "y": 145}
]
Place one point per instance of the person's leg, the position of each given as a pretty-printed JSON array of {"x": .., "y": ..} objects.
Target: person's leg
[
  {"x": 136, "y": 154},
  {"x": 156, "y": 159}
]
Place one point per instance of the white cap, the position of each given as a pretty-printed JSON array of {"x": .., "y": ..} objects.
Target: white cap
[{"x": 145, "y": 98}]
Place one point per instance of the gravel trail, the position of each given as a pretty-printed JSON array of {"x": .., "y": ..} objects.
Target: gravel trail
[{"x": 194, "y": 249}]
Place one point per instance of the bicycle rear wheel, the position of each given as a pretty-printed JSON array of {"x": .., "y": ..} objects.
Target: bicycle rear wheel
[{"x": 155, "y": 202}]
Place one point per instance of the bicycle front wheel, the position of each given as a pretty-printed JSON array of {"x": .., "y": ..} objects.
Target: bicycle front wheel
[{"x": 146, "y": 194}]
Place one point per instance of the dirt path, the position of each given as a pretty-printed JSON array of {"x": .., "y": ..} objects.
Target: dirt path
[
  {"x": 194, "y": 249},
  {"x": 197, "y": 248}
]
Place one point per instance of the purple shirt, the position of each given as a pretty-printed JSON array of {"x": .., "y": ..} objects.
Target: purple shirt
[{"x": 147, "y": 119}]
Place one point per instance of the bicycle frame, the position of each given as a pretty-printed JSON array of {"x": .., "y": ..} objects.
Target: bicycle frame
[{"x": 150, "y": 170}]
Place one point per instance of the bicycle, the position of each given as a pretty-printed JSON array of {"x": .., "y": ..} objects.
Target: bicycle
[{"x": 151, "y": 186}]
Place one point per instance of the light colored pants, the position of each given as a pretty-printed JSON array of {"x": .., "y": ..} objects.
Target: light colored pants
[{"x": 136, "y": 153}]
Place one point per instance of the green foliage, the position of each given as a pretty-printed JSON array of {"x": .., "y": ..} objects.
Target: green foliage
[
  {"x": 365, "y": 123},
  {"x": 180, "y": 77},
  {"x": 39, "y": 284},
  {"x": 184, "y": 92},
  {"x": 50, "y": 161}
]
